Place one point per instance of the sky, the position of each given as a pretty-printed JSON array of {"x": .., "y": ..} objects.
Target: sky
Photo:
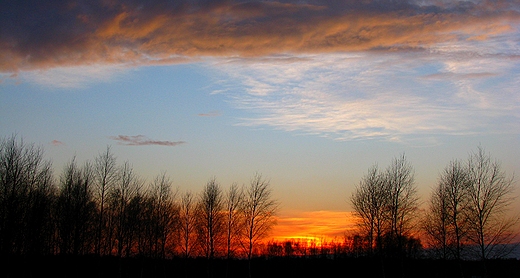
[{"x": 310, "y": 94}]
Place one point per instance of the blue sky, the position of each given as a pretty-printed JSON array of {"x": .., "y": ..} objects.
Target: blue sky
[{"x": 308, "y": 93}]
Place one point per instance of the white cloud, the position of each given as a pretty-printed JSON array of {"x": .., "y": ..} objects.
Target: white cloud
[
  {"x": 74, "y": 77},
  {"x": 379, "y": 96}
]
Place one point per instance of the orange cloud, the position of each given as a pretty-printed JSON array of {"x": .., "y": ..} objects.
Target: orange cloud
[{"x": 161, "y": 32}]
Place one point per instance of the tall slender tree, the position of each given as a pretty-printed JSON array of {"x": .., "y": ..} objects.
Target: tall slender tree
[
  {"x": 370, "y": 201},
  {"x": 490, "y": 196},
  {"x": 187, "y": 224},
  {"x": 105, "y": 175},
  {"x": 403, "y": 201},
  {"x": 65, "y": 207},
  {"x": 127, "y": 187},
  {"x": 258, "y": 210},
  {"x": 164, "y": 215},
  {"x": 445, "y": 223},
  {"x": 211, "y": 218},
  {"x": 233, "y": 200}
]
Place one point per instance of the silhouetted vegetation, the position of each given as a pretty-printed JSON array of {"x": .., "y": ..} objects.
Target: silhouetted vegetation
[
  {"x": 99, "y": 219},
  {"x": 387, "y": 202}
]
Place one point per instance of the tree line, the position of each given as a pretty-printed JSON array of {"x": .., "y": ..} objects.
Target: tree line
[
  {"x": 104, "y": 208},
  {"x": 467, "y": 214}
]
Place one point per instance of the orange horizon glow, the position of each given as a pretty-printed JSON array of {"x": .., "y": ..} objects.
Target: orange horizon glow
[{"x": 316, "y": 227}]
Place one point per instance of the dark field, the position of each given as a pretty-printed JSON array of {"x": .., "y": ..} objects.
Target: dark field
[{"x": 91, "y": 266}]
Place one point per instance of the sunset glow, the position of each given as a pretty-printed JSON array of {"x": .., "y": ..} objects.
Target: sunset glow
[{"x": 315, "y": 226}]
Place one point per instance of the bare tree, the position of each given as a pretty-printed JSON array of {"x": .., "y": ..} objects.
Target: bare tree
[
  {"x": 490, "y": 196},
  {"x": 259, "y": 211},
  {"x": 445, "y": 223},
  {"x": 386, "y": 204},
  {"x": 436, "y": 222},
  {"x": 233, "y": 201},
  {"x": 39, "y": 229},
  {"x": 187, "y": 224},
  {"x": 210, "y": 218},
  {"x": 370, "y": 201},
  {"x": 403, "y": 200},
  {"x": 165, "y": 214},
  {"x": 75, "y": 209},
  {"x": 127, "y": 187},
  {"x": 134, "y": 225},
  {"x": 105, "y": 174},
  {"x": 26, "y": 189}
]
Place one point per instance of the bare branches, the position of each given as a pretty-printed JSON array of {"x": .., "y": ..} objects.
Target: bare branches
[
  {"x": 386, "y": 203},
  {"x": 25, "y": 187},
  {"x": 187, "y": 224},
  {"x": 403, "y": 197},
  {"x": 370, "y": 203},
  {"x": 210, "y": 218},
  {"x": 105, "y": 175},
  {"x": 468, "y": 210},
  {"x": 233, "y": 202},
  {"x": 445, "y": 223},
  {"x": 490, "y": 195}
]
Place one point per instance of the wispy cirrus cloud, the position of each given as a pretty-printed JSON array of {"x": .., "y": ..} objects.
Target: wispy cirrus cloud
[
  {"x": 141, "y": 140},
  {"x": 75, "y": 76},
  {"x": 381, "y": 96}
]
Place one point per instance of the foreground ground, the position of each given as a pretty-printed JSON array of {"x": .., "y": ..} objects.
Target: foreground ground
[{"x": 89, "y": 266}]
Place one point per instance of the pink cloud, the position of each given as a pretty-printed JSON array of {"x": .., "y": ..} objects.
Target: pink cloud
[{"x": 57, "y": 143}]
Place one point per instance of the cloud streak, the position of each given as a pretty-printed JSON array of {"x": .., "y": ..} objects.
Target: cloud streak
[
  {"x": 53, "y": 34},
  {"x": 392, "y": 96},
  {"x": 141, "y": 140},
  {"x": 57, "y": 143},
  {"x": 209, "y": 114},
  {"x": 75, "y": 77}
]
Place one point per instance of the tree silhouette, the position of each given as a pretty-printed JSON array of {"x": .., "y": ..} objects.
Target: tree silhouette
[
  {"x": 370, "y": 201},
  {"x": 187, "y": 224},
  {"x": 26, "y": 189},
  {"x": 490, "y": 195},
  {"x": 259, "y": 210},
  {"x": 75, "y": 209},
  {"x": 105, "y": 175},
  {"x": 127, "y": 187},
  {"x": 403, "y": 200},
  {"x": 386, "y": 204},
  {"x": 164, "y": 215},
  {"x": 468, "y": 212},
  {"x": 444, "y": 222},
  {"x": 233, "y": 201},
  {"x": 210, "y": 218}
]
